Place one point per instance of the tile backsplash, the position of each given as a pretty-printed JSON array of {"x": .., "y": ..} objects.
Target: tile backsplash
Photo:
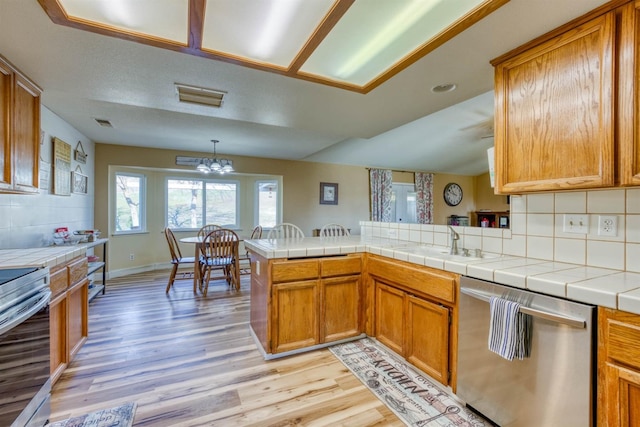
[{"x": 537, "y": 229}]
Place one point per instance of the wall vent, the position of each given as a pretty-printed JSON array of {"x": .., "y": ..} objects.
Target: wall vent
[{"x": 200, "y": 95}]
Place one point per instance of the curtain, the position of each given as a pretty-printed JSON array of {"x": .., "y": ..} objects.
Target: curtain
[
  {"x": 424, "y": 197},
  {"x": 380, "y": 182}
]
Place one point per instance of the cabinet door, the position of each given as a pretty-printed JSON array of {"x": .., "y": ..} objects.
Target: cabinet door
[
  {"x": 6, "y": 84},
  {"x": 554, "y": 103},
  {"x": 77, "y": 315},
  {"x": 58, "y": 335},
  {"x": 623, "y": 403},
  {"x": 427, "y": 343},
  {"x": 628, "y": 122},
  {"x": 295, "y": 316},
  {"x": 341, "y": 316},
  {"x": 389, "y": 316},
  {"x": 26, "y": 135}
]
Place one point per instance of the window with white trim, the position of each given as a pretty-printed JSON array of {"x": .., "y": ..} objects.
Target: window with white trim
[
  {"x": 130, "y": 203},
  {"x": 266, "y": 203},
  {"x": 192, "y": 203}
]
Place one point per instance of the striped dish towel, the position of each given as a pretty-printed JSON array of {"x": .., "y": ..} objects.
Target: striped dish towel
[{"x": 509, "y": 330}]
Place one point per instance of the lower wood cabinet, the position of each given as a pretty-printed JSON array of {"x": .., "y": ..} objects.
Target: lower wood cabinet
[
  {"x": 68, "y": 313},
  {"x": 414, "y": 328},
  {"x": 415, "y": 314},
  {"x": 618, "y": 368},
  {"x": 313, "y": 312}
]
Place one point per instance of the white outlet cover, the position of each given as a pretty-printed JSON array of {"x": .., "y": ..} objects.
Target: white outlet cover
[{"x": 607, "y": 225}]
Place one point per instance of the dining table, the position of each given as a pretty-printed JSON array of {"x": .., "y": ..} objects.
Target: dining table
[{"x": 197, "y": 242}]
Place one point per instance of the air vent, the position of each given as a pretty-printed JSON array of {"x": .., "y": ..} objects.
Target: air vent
[
  {"x": 200, "y": 95},
  {"x": 104, "y": 123}
]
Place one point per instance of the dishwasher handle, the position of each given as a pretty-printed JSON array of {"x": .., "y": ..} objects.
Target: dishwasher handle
[{"x": 554, "y": 317}]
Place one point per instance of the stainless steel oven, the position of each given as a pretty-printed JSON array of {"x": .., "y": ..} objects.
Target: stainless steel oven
[{"x": 25, "y": 383}]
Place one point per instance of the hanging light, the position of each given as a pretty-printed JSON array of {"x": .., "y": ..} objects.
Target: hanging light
[{"x": 216, "y": 165}]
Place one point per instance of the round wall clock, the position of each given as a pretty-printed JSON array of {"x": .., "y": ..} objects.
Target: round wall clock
[{"x": 452, "y": 194}]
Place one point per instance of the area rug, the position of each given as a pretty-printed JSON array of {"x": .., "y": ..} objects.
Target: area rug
[
  {"x": 120, "y": 416},
  {"x": 410, "y": 394}
]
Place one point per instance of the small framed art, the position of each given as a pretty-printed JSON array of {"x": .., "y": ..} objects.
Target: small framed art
[{"x": 328, "y": 193}]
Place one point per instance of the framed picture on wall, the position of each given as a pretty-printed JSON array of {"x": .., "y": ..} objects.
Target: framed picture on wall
[
  {"x": 79, "y": 181},
  {"x": 328, "y": 193}
]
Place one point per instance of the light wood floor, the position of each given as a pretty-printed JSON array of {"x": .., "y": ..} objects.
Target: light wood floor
[{"x": 190, "y": 361}]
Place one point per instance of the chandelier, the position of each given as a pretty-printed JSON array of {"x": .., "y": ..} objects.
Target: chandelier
[{"x": 216, "y": 165}]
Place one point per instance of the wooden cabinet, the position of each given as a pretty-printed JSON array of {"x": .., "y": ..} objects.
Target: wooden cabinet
[
  {"x": 618, "y": 368},
  {"x": 554, "y": 105},
  {"x": 68, "y": 313},
  {"x": 413, "y": 310},
  {"x": 309, "y": 301},
  {"x": 19, "y": 131}
]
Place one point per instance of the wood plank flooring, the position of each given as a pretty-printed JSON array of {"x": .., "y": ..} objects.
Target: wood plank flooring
[{"x": 190, "y": 361}]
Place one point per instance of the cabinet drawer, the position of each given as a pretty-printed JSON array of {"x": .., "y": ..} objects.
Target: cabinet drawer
[
  {"x": 58, "y": 281},
  {"x": 421, "y": 280},
  {"x": 77, "y": 270},
  {"x": 624, "y": 341},
  {"x": 288, "y": 271},
  {"x": 343, "y": 266}
]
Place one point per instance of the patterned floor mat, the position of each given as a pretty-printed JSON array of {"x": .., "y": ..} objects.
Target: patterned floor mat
[{"x": 413, "y": 397}]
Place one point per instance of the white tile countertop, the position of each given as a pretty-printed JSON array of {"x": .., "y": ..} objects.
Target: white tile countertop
[
  {"x": 592, "y": 285},
  {"x": 48, "y": 256}
]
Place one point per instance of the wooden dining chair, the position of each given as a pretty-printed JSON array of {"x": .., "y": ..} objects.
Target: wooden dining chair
[
  {"x": 176, "y": 258},
  {"x": 244, "y": 260},
  {"x": 206, "y": 229},
  {"x": 219, "y": 251},
  {"x": 333, "y": 229},
  {"x": 285, "y": 230}
]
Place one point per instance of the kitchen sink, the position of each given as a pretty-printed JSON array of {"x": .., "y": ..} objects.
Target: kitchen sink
[{"x": 443, "y": 253}]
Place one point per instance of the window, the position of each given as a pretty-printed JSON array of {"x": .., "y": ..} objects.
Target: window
[
  {"x": 192, "y": 203},
  {"x": 130, "y": 203},
  {"x": 403, "y": 203},
  {"x": 267, "y": 203}
]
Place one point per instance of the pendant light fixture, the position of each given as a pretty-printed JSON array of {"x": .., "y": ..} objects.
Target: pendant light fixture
[{"x": 220, "y": 166}]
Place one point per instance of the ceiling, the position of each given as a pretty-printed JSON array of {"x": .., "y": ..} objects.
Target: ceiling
[{"x": 399, "y": 124}]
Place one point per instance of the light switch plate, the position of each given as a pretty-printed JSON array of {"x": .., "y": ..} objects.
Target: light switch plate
[{"x": 575, "y": 223}]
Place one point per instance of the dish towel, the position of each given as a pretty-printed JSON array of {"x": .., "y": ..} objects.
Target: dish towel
[{"x": 509, "y": 330}]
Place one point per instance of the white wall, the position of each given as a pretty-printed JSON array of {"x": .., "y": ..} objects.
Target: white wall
[{"x": 28, "y": 221}]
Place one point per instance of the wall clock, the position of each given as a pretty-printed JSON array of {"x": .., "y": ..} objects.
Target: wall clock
[{"x": 452, "y": 194}]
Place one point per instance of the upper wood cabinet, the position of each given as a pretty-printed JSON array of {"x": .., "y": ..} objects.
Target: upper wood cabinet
[
  {"x": 19, "y": 131},
  {"x": 566, "y": 106}
]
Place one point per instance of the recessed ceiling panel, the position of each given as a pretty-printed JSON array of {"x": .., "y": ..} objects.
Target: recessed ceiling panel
[
  {"x": 375, "y": 34},
  {"x": 268, "y": 31},
  {"x": 164, "y": 19}
]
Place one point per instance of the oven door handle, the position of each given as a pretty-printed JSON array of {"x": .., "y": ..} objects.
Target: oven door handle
[
  {"x": 23, "y": 311},
  {"x": 554, "y": 317}
]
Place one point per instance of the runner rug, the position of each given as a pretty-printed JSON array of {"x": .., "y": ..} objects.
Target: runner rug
[
  {"x": 411, "y": 395},
  {"x": 120, "y": 416}
]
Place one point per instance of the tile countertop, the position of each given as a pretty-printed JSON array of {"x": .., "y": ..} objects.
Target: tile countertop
[
  {"x": 592, "y": 285},
  {"x": 49, "y": 256}
]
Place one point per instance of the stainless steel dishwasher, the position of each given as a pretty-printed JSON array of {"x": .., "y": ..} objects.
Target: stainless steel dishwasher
[{"x": 554, "y": 386}]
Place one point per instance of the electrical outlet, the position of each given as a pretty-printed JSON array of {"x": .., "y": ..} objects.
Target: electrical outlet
[
  {"x": 131, "y": 257},
  {"x": 607, "y": 225},
  {"x": 574, "y": 223},
  {"x": 392, "y": 233}
]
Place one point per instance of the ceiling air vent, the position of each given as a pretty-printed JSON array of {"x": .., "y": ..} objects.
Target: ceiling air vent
[
  {"x": 104, "y": 123},
  {"x": 200, "y": 95}
]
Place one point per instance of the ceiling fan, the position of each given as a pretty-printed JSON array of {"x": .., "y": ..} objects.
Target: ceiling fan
[{"x": 483, "y": 128}]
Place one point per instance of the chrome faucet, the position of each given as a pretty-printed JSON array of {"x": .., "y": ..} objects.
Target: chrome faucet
[{"x": 454, "y": 242}]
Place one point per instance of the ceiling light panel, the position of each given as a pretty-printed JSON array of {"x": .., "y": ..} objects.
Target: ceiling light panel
[
  {"x": 164, "y": 19},
  {"x": 269, "y": 31},
  {"x": 375, "y": 34}
]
